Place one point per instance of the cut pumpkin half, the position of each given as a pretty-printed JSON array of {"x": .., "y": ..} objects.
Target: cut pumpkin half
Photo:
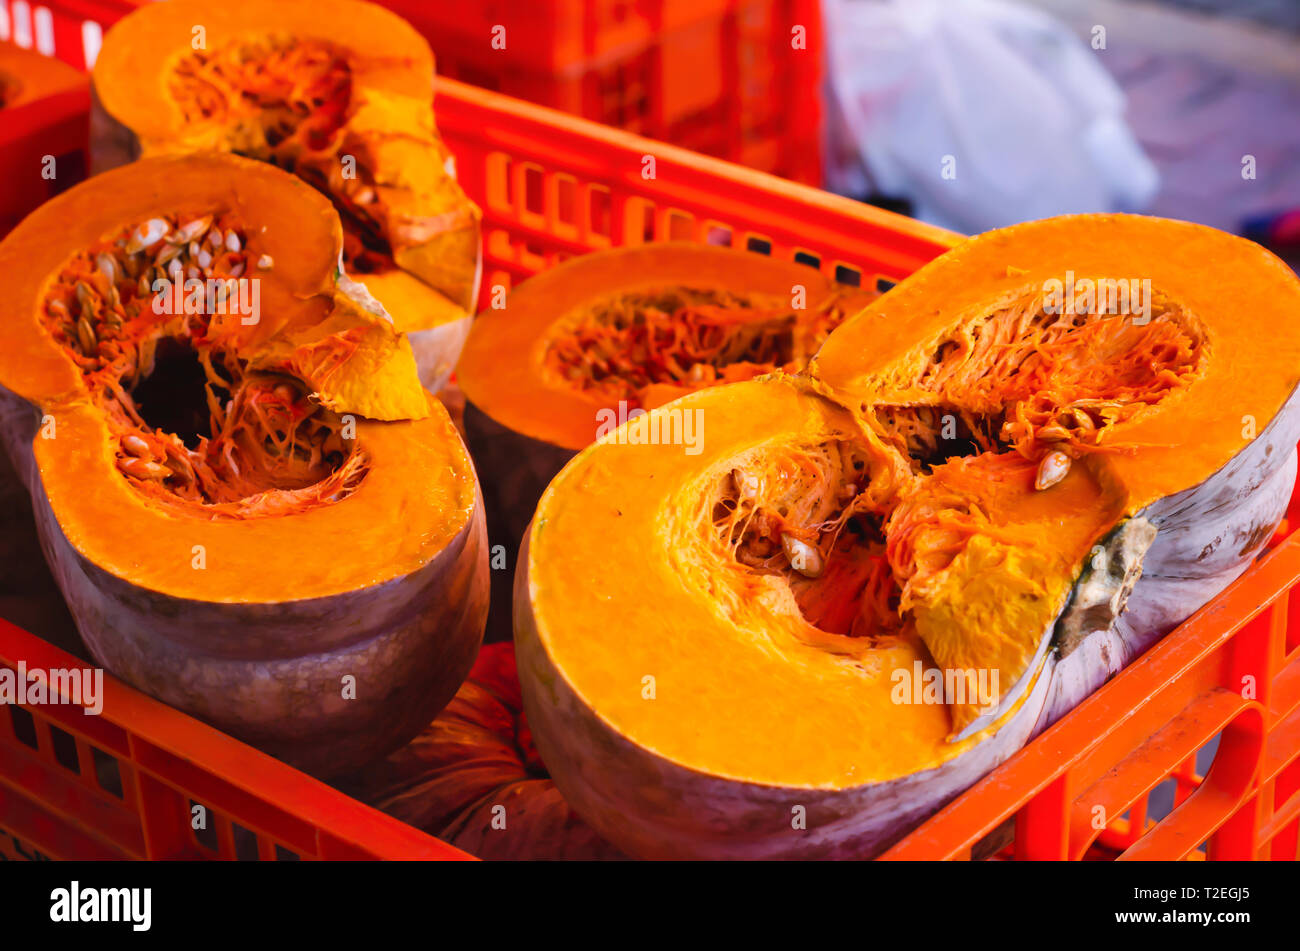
[
  {"x": 338, "y": 92},
  {"x": 254, "y": 510},
  {"x": 581, "y": 347},
  {"x": 988, "y": 492}
]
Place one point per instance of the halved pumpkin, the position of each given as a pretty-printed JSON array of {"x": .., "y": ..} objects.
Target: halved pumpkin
[
  {"x": 581, "y": 347},
  {"x": 881, "y": 577},
  {"x": 27, "y": 76},
  {"x": 255, "y": 513},
  {"x": 338, "y": 92}
]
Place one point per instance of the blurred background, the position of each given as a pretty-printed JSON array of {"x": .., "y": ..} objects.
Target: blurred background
[{"x": 970, "y": 114}]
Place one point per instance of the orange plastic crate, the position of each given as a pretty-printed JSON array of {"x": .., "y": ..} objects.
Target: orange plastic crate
[
  {"x": 723, "y": 77},
  {"x": 552, "y": 186}
]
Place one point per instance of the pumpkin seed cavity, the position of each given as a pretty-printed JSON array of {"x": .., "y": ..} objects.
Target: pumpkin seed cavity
[
  {"x": 285, "y": 101},
  {"x": 649, "y": 346},
  {"x": 856, "y": 526},
  {"x": 1036, "y": 383},
  {"x": 195, "y": 428}
]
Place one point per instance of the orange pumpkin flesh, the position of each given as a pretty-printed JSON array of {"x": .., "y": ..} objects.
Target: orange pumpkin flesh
[
  {"x": 27, "y": 76},
  {"x": 339, "y": 94},
  {"x": 325, "y": 524},
  {"x": 715, "y": 685},
  {"x": 581, "y": 346}
]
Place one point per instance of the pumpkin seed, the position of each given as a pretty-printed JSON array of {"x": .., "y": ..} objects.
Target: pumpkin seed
[
  {"x": 194, "y": 229},
  {"x": 149, "y": 233},
  {"x": 233, "y": 243},
  {"x": 803, "y": 558},
  {"x": 168, "y": 254},
  {"x": 748, "y": 485},
  {"x": 264, "y": 262},
  {"x": 237, "y": 270},
  {"x": 204, "y": 259},
  {"x": 86, "y": 336},
  {"x": 1052, "y": 469},
  {"x": 107, "y": 266},
  {"x": 1053, "y": 432},
  {"x": 135, "y": 445},
  {"x": 142, "y": 469},
  {"x": 85, "y": 298},
  {"x": 216, "y": 238}
]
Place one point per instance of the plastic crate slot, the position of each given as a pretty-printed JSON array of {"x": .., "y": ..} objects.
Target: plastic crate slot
[
  {"x": 532, "y": 178},
  {"x": 1285, "y": 806},
  {"x": 64, "y": 747},
  {"x": 677, "y": 225},
  {"x": 1291, "y": 643},
  {"x": 647, "y": 217},
  {"x": 43, "y": 29},
  {"x": 497, "y": 244},
  {"x": 286, "y": 855},
  {"x": 247, "y": 844},
  {"x": 22, "y": 23},
  {"x": 884, "y": 284},
  {"x": 23, "y": 726},
  {"x": 1284, "y": 695},
  {"x": 758, "y": 244},
  {"x": 532, "y": 255},
  {"x": 497, "y": 183},
  {"x": 808, "y": 258},
  {"x": 566, "y": 201},
  {"x": 717, "y": 234},
  {"x": 599, "y": 212},
  {"x": 638, "y": 220},
  {"x": 108, "y": 775},
  {"x": 92, "y": 38},
  {"x": 204, "y": 831},
  {"x": 848, "y": 274}
]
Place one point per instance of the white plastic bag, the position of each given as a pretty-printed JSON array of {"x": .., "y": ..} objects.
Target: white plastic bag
[{"x": 982, "y": 112}]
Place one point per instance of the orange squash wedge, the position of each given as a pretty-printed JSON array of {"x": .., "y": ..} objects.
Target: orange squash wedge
[
  {"x": 581, "y": 347},
  {"x": 988, "y": 492},
  {"x": 339, "y": 92},
  {"x": 27, "y": 76},
  {"x": 254, "y": 510}
]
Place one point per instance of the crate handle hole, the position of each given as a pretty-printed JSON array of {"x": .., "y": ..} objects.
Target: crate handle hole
[
  {"x": 107, "y": 772},
  {"x": 24, "y": 727}
]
